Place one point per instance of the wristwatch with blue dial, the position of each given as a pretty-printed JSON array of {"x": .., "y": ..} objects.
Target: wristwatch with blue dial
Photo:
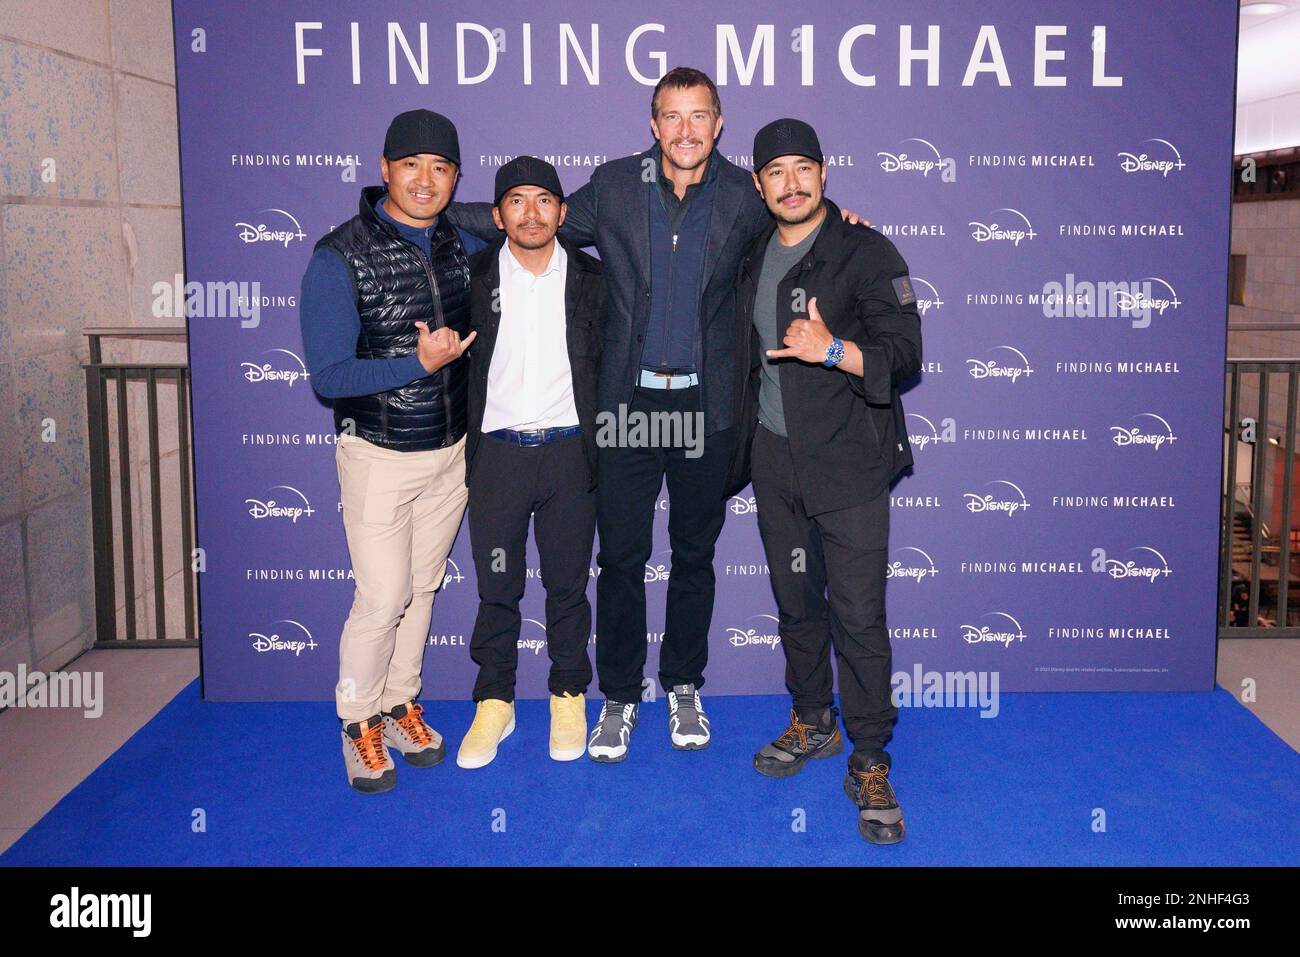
[{"x": 834, "y": 353}]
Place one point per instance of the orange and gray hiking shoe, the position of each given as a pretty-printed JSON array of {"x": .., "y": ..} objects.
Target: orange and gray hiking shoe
[
  {"x": 880, "y": 819},
  {"x": 817, "y": 737},
  {"x": 370, "y": 769},
  {"x": 405, "y": 730}
]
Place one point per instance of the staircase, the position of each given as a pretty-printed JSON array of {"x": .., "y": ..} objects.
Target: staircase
[{"x": 1243, "y": 535}]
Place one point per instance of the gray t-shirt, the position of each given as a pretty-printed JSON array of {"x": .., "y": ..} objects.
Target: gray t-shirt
[{"x": 778, "y": 261}]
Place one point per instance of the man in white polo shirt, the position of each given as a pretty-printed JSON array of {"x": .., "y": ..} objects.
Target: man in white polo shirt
[{"x": 537, "y": 306}]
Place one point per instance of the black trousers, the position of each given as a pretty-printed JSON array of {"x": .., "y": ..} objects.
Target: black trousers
[
  {"x": 630, "y": 479},
  {"x": 510, "y": 484},
  {"x": 828, "y": 576}
]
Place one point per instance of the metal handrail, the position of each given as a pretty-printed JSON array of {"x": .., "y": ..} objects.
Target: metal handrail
[
  {"x": 1262, "y": 595},
  {"x": 99, "y": 374}
]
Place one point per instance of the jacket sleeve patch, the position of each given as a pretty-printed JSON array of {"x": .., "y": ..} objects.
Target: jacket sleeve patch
[{"x": 903, "y": 291}]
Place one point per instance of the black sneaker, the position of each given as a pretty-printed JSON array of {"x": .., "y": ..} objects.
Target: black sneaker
[
  {"x": 880, "y": 819},
  {"x": 819, "y": 738}
]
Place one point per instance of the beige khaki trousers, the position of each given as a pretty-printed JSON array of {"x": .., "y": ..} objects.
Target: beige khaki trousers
[{"x": 401, "y": 513}]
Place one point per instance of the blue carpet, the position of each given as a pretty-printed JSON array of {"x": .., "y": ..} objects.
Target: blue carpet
[{"x": 1183, "y": 779}]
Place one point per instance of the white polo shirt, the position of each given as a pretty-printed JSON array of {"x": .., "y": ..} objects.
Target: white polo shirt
[{"x": 530, "y": 383}]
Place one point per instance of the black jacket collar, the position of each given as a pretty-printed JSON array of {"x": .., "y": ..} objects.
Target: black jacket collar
[
  {"x": 486, "y": 264},
  {"x": 369, "y": 196}
]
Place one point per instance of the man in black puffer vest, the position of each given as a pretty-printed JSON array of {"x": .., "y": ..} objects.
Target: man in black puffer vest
[{"x": 385, "y": 300}]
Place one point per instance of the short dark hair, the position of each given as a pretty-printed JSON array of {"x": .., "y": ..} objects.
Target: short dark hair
[{"x": 682, "y": 77}]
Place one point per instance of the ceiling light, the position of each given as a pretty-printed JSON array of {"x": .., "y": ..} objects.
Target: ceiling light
[{"x": 1263, "y": 9}]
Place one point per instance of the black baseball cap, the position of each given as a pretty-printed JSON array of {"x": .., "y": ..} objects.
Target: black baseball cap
[
  {"x": 421, "y": 131},
  {"x": 527, "y": 171},
  {"x": 785, "y": 137}
]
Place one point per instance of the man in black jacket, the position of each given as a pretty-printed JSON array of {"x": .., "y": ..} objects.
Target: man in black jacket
[
  {"x": 671, "y": 225},
  {"x": 827, "y": 331},
  {"x": 537, "y": 307}
]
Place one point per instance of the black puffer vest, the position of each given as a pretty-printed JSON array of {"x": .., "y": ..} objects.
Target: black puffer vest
[{"x": 395, "y": 286}]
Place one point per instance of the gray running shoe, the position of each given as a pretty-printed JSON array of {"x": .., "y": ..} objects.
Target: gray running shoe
[
  {"x": 608, "y": 742},
  {"x": 686, "y": 719},
  {"x": 369, "y": 766}
]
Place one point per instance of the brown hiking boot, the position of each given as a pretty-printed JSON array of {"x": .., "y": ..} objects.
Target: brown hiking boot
[{"x": 880, "y": 818}]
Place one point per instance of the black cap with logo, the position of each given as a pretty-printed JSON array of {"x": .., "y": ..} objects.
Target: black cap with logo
[
  {"x": 785, "y": 137},
  {"x": 421, "y": 131},
  {"x": 527, "y": 171}
]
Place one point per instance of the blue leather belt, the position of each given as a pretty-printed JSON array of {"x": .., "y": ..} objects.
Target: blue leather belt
[
  {"x": 535, "y": 436},
  {"x": 664, "y": 380}
]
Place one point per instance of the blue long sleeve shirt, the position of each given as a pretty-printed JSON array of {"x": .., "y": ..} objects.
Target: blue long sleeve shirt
[{"x": 331, "y": 324}]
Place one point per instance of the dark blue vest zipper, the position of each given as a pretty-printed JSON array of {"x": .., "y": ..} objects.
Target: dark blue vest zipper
[{"x": 439, "y": 322}]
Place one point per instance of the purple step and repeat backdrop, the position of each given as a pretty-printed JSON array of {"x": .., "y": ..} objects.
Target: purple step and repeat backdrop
[{"x": 1054, "y": 173}]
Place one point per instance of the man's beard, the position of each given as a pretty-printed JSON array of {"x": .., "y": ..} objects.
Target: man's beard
[
  {"x": 797, "y": 218},
  {"x": 525, "y": 243}
]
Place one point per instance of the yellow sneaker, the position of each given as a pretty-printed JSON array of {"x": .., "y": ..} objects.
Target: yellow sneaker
[
  {"x": 494, "y": 719},
  {"x": 568, "y": 727}
]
